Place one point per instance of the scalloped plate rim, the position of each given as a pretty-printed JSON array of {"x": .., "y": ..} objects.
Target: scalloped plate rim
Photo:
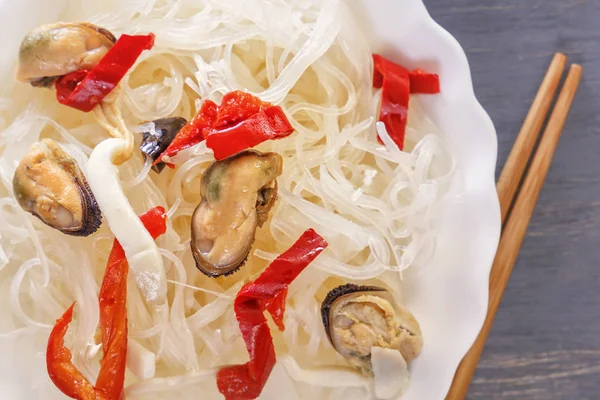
[{"x": 479, "y": 167}]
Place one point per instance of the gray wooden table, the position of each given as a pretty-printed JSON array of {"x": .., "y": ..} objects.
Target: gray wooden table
[{"x": 545, "y": 343}]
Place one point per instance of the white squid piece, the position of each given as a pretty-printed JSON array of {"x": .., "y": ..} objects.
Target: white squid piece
[{"x": 142, "y": 252}]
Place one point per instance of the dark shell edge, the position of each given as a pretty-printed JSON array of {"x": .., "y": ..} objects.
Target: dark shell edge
[
  {"x": 92, "y": 218},
  {"x": 93, "y": 215},
  {"x": 103, "y": 31},
  {"x": 226, "y": 272},
  {"x": 43, "y": 82},
  {"x": 335, "y": 294},
  {"x": 153, "y": 147},
  {"x": 263, "y": 210}
]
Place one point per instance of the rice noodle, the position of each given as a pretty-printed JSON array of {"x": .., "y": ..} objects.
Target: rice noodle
[
  {"x": 375, "y": 204},
  {"x": 143, "y": 174}
]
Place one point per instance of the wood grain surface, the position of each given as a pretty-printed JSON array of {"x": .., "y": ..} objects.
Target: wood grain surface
[{"x": 545, "y": 343}]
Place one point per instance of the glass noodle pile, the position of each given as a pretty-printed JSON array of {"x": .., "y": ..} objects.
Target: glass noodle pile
[{"x": 373, "y": 203}]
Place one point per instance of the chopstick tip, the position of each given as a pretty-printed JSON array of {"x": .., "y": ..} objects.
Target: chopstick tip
[
  {"x": 560, "y": 56},
  {"x": 574, "y": 75},
  {"x": 577, "y": 67}
]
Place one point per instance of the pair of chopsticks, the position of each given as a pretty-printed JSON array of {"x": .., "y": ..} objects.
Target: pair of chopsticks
[{"x": 517, "y": 208}]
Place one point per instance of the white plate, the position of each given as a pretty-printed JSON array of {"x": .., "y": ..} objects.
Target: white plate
[{"x": 450, "y": 295}]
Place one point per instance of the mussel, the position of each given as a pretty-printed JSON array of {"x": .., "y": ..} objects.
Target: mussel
[
  {"x": 49, "y": 184},
  {"x": 53, "y": 50},
  {"x": 157, "y": 135},
  {"x": 237, "y": 194},
  {"x": 357, "y": 318}
]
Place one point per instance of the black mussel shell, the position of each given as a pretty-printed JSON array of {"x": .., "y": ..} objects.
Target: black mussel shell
[{"x": 154, "y": 143}]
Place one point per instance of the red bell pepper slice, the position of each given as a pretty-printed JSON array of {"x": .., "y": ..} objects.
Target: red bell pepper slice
[
  {"x": 267, "y": 293},
  {"x": 60, "y": 367},
  {"x": 192, "y": 133},
  {"x": 424, "y": 82},
  {"x": 245, "y": 121},
  {"x": 113, "y": 328},
  {"x": 240, "y": 122},
  {"x": 268, "y": 124},
  {"x": 85, "y": 91},
  {"x": 238, "y": 106},
  {"x": 65, "y": 85},
  {"x": 397, "y": 84}
]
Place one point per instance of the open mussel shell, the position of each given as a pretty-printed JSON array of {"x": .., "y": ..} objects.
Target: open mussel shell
[
  {"x": 54, "y": 50},
  {"x": 358, "y": 318},
  {"x": 237, "y": 194},
  {"x": 332, "y": 301},
  {"x": 49, "y": 184}
]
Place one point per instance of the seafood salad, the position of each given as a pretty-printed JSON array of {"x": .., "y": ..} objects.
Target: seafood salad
[{"x": 214, "y": 199}]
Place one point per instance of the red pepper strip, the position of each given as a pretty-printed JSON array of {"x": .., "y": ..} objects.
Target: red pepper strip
[
  {"x": 113, "y": 309},
  {"x": 113, "y": 323},
  {"x": 105, "y": 76},
  {"x": 424, "y": 82},
  {"x": 236, "y": 107},
  {"x": 113, "y": 326},
  {"x": 192, "y": 133},
  {"x": 397, "y": 83},
  {"x": 60, "y": 367},
  {"x": 266, "y": 293},
  {"x": 394, "y": 97},
  {"x": 240, "y": 122},
  {"x": 268, "y": 124},
  {"x": 65, "y": 85}
]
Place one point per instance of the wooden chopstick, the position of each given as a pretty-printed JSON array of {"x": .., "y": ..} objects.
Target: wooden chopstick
[
  {"x": 513, "y": 170},
  {"x": 516, "y": 227}
]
